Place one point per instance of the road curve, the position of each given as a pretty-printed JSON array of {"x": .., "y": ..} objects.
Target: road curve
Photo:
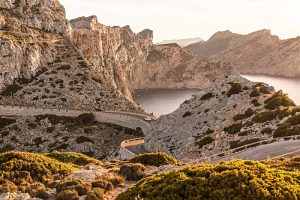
[{"x": 278, "y": 149}]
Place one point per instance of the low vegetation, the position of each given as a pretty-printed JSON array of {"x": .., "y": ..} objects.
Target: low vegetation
[
  {"x": 73, "y": 158},
  {"x": 234, "y": 128},
  {"x": 228, "y": 180},
  {"x": 236, "y": 88},
  {"x": 133, "y": 171},
  {"x": 205, "y": 141},
  {"x": 154, "y": 159},
  {"x": 277, "y": 100}
]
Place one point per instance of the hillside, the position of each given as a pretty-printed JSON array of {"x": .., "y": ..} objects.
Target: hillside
[
  {"x": 182, "y": 42},
  {"x": 259, "y": 52},
  {"x": 230, "y": 114}
]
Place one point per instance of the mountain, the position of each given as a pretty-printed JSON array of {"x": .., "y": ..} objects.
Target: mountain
[
  {"x": 183, "y": 42},
  {"x": 170, "y": 66},
  {"x": 230, "y": 114},
  {"x": 259, "y": 52}
]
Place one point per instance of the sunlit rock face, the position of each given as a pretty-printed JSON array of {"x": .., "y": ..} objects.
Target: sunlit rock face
[{"x": 114, "y": 52}]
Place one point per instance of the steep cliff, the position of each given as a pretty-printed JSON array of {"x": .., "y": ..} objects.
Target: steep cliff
[
  {"x": 170, "y": 66},
  {"x": 114, "y": 52},
  {"x": 230, "y": 114},
  {"x": 256, "y": 53},
  {"x": 41, "y": 66}
]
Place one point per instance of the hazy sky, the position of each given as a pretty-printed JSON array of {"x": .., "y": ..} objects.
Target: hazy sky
[{"x": 171, "y": 19}]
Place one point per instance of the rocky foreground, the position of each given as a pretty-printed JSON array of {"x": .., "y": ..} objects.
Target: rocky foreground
[
  {"x": 259, "y": 52},
  {"x": 73, "y": 176},
  {"x": 230, "y": 114}
]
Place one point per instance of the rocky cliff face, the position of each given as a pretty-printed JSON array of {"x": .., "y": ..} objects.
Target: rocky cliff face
[
  {"x": 170, "y": 66},
  {"x": 25, "y": 43},
  {"x": 114, "y": 52},
  {"x": 40, "y": 66},
  {"x": 256, "y": 53},
  {"x": 230, "y": 114}
]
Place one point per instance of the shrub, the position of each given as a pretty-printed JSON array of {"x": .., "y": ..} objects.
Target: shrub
[
  {"x": 207, "y": 96},
  {"x": 227, "y": 180},
  {"x": 288, "y": 164},
  {"x": 277, "y": 100},
  {"x": 73, "y": 184},
  {"x": 236, "y": 88},
  {"x": 264, "y": 117},
  {"x": 236, "y": 144},
  {"x": 234, "y": 128},
  {"x": 11, "y": 90},
  {"x": 7, "y": 186},
  {"x": 255, "y": 93},
  {"x": 18, "y": 167},
  {"x": 187, "y": 114},
  {"x": 205, "y": 141},
  {"x": 74, "y": 158},
  {"x": 68, "y": 195},
  {"x": 37, "y": 190},
  {"x": 105, "y": 185},
  {"x": 154, "y": 159},
  {"x": 95, "y": 194},
  {"x": 83, "y": 139},
  {"x": 86, "y": 118},
  {"x": 255, "y": 102},
  {"x": 133, "y": 171},
  {"x": 114, "y": 179},
  {"x": 6, "y": 122},
  {"x": 249, "y": 112}
]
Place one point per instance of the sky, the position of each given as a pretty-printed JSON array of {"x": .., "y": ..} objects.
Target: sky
[{"x": 177, "y": 19}]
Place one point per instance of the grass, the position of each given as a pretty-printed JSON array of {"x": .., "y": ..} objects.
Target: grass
[{"x": 154, "y": 159}]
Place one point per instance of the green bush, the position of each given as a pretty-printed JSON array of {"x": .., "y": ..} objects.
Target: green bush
[
  {"x": 187, "y": 114},
  {"x": 74, "y": 158},
  {"x": 68, "y": 195},
  {"x": 288, "y": 164},
  {"x": 11, "y": 90},
  {"x": 6, "y": 122},
  {"x": 37, "y": 190},
  {"x": 154, "y": 159},
  {"x": 95, "y": 194},
  {"x": 205, "y": 141},
  {"x": 114, "y": 179},
  {"x": 133, "y": 171},
  {"x": 234, "y": 128},
  {"x": 73, "y": 184},
  {"x": 105, "y": 185},
  {"x": 207, "y": 96},
  {"x": 18, "y": 167},
  {"x": 255, "y": 93},
  {"x": 7, "y": 186},
  {"x": 236, "y": 88},
  {"x": 249, "y": 112},
  {"x": 227, "y": 180},
  {"x": 264, "y": 117},
  {"x": 277, "y": 100}
]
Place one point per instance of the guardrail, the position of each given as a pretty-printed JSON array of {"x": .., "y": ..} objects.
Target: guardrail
[{"x": 247, "y": 147}]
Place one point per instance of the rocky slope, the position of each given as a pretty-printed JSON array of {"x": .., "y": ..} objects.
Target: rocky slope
[
  {"x": 170, "y": 66},
  {"x": 233, "y": 112},
  {"x": 47, "y": 133},
  {"x": 256, "y": 53}
]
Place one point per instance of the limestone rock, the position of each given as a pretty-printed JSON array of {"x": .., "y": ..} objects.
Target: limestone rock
[
  {"x": 259, "y": 52},
  {"x": 228, "y": 115}
]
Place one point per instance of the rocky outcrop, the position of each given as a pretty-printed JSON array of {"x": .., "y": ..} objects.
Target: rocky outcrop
[
  {"x": 48, "y": 15},
  {"x": 256, "y": 53},
  {"x": 183, "y": 42},
  {"x": 114, "y": 52},
  {"x": 230, "y": 114},
  {"x": 170, "y": 66}
]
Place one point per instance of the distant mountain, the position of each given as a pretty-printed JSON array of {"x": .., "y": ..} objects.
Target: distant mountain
[
  {"x": 183, "y": 42},
  {"x": 259, "y": 52}
]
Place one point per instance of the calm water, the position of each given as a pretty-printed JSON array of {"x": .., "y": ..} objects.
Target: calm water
[
  {"x": 162, "y": 101},
  {"x": 165, "y": 101},
  {"x": 291, "y": 86}
]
